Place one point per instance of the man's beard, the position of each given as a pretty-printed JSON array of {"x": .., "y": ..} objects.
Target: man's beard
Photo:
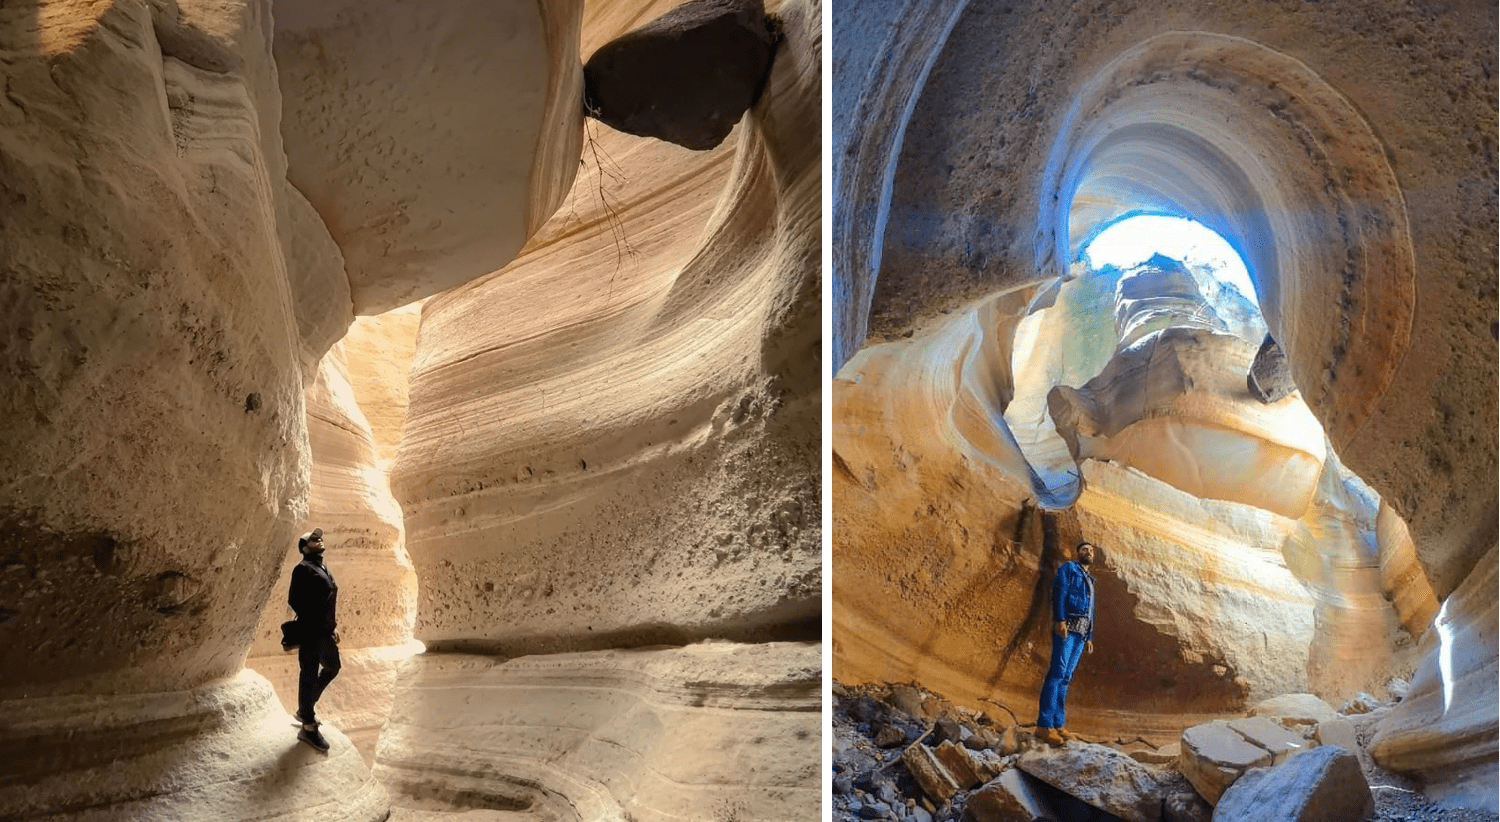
[{"x": 1084, "y": 560}]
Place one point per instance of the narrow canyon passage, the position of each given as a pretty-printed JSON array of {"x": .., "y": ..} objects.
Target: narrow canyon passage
[
  {"x": 1324, "y": 527},
  {"x": 549, "y": 388}
]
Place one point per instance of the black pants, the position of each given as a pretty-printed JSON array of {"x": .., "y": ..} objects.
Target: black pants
[{"x": 314, "y": 654}]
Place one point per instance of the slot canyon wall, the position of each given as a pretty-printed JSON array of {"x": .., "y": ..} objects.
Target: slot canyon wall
[
  {"x": 1347, "y": 151},
  {"x": 199, "y": 199},
  {"x": 617, "y": 534}
]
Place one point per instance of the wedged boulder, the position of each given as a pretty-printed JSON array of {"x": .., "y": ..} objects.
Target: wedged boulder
[
  {"x": 1263, "y": 733},
  {"x": 1295, "y": 709},
  {"x": 1100, "y": 776},
  {"x": 930, "y": 774},
  {"x": 686, "y": 77},
  {"x": 1269, "y": 379},
  {"x": 1213, "y": 757},
  {"x": 1181, "y": 803},
  {"x": 1008, "y": 798},
  {"x": 1321, "y": 785}
]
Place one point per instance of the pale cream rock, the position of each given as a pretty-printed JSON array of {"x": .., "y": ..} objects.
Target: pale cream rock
[
  {"x": 379, "y": 350},
  {"x": 1295, "y": 709},
  {"x": 1444, "y": 730},
  {"x": 1213, "y": 756},
  {"x": 432, "y": 138},
  {"x": 654, "y": 734},
  {"x": 1174, "y": 406},
  {"x": 642, "y": 465},
  {"x": 1338, "y": 731},
  {"x": 222, "y": 751},
  {"x": 1321, "y": 785}
]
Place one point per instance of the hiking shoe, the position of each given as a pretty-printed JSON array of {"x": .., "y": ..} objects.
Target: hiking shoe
[
  {"x": 1050, "y": 736},
  {"x": 1067, "y": 735},
  {"x": 313, "y": 738}
]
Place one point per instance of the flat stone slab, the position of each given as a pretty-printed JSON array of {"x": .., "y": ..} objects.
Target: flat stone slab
[
  {"x": 1324, "y": 784},
  {"x": 1262, "y": 732},
  {"x": 1100, "y": 776},
  {"x": 1214, "y": 756}
]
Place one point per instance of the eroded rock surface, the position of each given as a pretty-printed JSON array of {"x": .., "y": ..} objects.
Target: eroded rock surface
[
  {"x": 979, "y": 145},
  {"x": 652, "y": 734},
  {"x": 642, "y": 464}
]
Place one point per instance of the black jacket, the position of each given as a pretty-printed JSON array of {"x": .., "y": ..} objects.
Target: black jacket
[{"x": 313, "y": 597}]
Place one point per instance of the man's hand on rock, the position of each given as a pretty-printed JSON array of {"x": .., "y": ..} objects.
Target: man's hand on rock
[
  {"x": 335, "y": 636},
  {"x": 1088, "y": 647},
  {"x": 1061, "y": 628}
]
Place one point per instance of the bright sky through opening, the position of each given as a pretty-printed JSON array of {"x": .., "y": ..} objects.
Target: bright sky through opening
[{"x": 1134, "y": 239}]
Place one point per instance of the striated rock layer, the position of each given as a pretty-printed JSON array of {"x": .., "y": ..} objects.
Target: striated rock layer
[
  {"x": 985, "y": 142},
  {"x": 221, "y": 751},
  {"x": 614, "y": 440},
  {"x": 943, "y": 565},
  {"x": 167, "y": 296},
  {"x": 352, "y": 503},
  {"x": 433, "y": 138},
  {"x": 713, "y": 730}
]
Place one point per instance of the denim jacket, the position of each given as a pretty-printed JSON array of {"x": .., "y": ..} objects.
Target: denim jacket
[{"x": 1072, "y": 595}]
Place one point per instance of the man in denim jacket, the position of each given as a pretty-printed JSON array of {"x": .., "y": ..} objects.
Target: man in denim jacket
[{"x": 1072, "y": 635}]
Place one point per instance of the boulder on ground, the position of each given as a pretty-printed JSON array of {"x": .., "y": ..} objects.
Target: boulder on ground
[
  {"x": 889, "y": 736},
  {"x": 1338, "y": 732},
  {"x": 1360, "y": 703},
  {"x": 1295, "y": 709},
  {"x": 1214, "y": 756},
  {"x": 1324, "y": 784},
  {"x": 1101, "y": 776},
  {"x": 931, "y": 776},
  {"x": 1008, "y": 798},
  {"x": 959, "y": 764},
  {"x": 686, "y": 77}
]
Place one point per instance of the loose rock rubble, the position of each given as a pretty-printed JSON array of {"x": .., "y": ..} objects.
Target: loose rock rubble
[{"x": 901, "y": 753}]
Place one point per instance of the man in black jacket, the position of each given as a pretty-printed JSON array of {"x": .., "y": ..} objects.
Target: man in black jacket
[{"x": 313, "y": 597}]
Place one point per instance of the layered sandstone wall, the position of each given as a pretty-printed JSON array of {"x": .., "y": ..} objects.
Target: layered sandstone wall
[
  {"x": 711, "y": 730},
  {"x": 169, "y": 294},
  {"x": 1353, "y": 163},
  {"x": 362, "y": 527},
  {"x": 641, "y": 464},
  {"x": 1031, "y": 123}
]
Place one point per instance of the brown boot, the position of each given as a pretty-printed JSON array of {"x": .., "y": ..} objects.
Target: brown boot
[
  {"x": 1049, "y": 736},
  {"x": 1067, "y": 735}
]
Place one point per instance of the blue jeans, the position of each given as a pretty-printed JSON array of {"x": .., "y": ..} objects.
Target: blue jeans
[{"x": 1066, "y": 650}]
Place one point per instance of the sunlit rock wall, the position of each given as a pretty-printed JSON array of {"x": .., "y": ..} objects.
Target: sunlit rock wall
[
  {"x": 433, "y": 138},
  {"x": 1174, "y": 405},
  {"x": 361, "y": 522},
  {"x": 997, "y": 136},
  {"x": 715, "y": 730},
  {"x": 1445, "y": 728},
  {"x": 1016, "y": 128},
  {"x": 942, "y": 575},
  {"x": 168, "y": 294},
  {"x": 614, "y": 440}
]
